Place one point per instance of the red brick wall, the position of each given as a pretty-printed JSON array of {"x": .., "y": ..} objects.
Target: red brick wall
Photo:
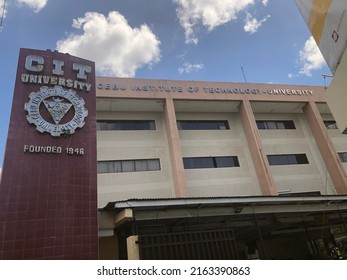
[{"x": 48, "y": 201}]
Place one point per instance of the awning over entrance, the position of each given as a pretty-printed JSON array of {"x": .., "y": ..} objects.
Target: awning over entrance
[{"x": 256, "y": 221}]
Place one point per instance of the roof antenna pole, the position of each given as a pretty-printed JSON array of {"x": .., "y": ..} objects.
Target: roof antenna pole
[
  {"x": 244, "y": 76},
  {"x": 325, "y": 76}
]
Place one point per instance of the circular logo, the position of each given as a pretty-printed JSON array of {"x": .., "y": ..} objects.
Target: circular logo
[{"x": 56, "y": 110}]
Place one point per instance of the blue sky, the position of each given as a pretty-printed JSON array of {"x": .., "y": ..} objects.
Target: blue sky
[{"x": 207, "y": 40}]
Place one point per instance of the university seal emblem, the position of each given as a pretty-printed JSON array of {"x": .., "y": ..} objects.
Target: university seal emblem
[{"x": 56, "y": 110}]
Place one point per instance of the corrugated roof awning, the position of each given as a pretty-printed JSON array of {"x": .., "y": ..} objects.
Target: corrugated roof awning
[{"x": 331, "y": 202}]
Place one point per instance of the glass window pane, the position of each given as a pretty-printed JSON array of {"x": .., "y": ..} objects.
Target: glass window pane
[
  {"x": 330, "y": 124},
  {"x": 301, "y": 159},
  {"x": 343, "y": 156},
  {"x": 128, "y": 166},
  {"x": 225, "y": 161},
  {"x": 191, "y": 125},
  {"x": 271, "y": 159},
  {"x": 99, "y": 125},
  {"x": 271, "y": 125},
  {"x": 137, "y": 125},
  {"x": 292, "y": 159},
  {"x": 289, "y": 125},
  {"x": 117, "y": 166},
  {"x": 198, "y": 162},
  {"x": 287, "y": 159},
  {"x": 207, "y": 162},
  {"x": 275, "y": 125},
  {"x": 153, "y": 164},
  {"x": 280, "y": 125},
  {"x": 114, "y": 126},
  {"x": 210, "y": 162},
  {"x": 141, "y": 165},
  {"x": 236, "y": 161},
  {"x": 151, "y": 125},
  {"x": 102, "y": 167},
  {"x": 184, "y": 125},
  {"x": 212, "y": 125},
  {"x": 126, "y": 125},
  {"x": 261, "y": 125},
  {"x": 188, "y": 163},
  {"x": 231, "y": 161},
  {"x": 224, "y": 125},
  {"x": 179, "y": 125},
  {"x": 202, "y": 125},
  {"x": 277, "y": 159}
]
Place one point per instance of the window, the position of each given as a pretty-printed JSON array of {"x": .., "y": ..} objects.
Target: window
[
  {"x": 343, "y": 156},
  {"x": 210, "y": 162},
  {"x": 275, "y": 125},
  {"x": 288, "y": 159},
  {"x": 330, "y": 124},
  {"x": 202, "y": 125},
  {"x": 137, "y": 165},
  {"x": 125, "y": 125}
]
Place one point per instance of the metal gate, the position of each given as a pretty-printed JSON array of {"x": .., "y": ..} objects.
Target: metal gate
[{"x": 199, "y": 245}]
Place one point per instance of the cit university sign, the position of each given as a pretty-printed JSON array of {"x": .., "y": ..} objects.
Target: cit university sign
[{"x": 48, "y": 192}]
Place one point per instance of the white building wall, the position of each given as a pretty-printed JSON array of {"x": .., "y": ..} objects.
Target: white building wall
[
  {"x": 232, "y": 181},
  {"x": 191, "y": 100},
  {"x": 140, "y": 144},
  {"x": 339, "y": 140},
  {"x": 295, "y": 178}
]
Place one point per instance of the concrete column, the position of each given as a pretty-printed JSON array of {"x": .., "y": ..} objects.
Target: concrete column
[
  {"x": 178, "y": 172},
  {"x": 260, "y": 161},
  {"x": 326, "y": 148},
  {"x": 133, "y": 248}
]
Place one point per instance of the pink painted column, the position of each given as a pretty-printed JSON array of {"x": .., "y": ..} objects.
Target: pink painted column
[
  {"x": 326, "y": 148},
  {"x": 178, "y": 172},
  {"x": 260, "y": 161}
]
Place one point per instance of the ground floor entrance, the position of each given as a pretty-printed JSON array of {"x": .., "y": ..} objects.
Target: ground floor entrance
[{"x": 295, "y": 228}]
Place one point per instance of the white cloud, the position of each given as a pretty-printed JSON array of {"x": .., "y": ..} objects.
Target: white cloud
[
  {"x": 209, "y": 13},
  {"x": 116, "y": 48},
  {"x": 265, "y": 2},
  {"x": 188, "y": 68},
  {"x": 3, "y": 13},
  {"x": 37, "y": 5},
  {"x": 252, "y": 24},
  {"x": 310, "y": 58},
  {"x": 2, "y": 7},
  {"x": 181, "y": 56}
]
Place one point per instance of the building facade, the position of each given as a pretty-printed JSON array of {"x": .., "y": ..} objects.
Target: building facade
[
  {"x": 187, "y": 160},
  {"x": 118, "y": 168}
]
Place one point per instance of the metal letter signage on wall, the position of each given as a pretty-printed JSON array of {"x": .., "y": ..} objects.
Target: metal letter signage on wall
[{"x": 56, "y": 102}]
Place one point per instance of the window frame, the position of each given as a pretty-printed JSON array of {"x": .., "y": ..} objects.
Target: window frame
[
  {"x": 330, "y": 124},
  {"x": 275, "y": 124},
  {"x": 203, "y": 125},
  {"x": 210, "y": 162},
  {"x": 287, "y": 159},
  {"x": 122, "y": 166},
  {"x": 125, "y": 125},
  {"x": 342, "y": 156}
]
